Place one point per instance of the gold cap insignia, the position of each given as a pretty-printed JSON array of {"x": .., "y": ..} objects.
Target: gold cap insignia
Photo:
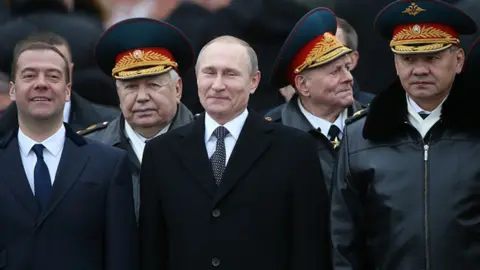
[
  {"x": 138, "y": 54},
  {"x": 416, "y": 29},
  {"x": 413, "y": 9}
]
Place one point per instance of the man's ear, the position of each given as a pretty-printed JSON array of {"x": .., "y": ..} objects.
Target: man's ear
[
  {"x": 301, "y": 85},
  {"x": 71, "y": 70},
  {"x": 179, "y": 89},
  {"x": 11, "y": 92},
  {"x": 460, "y": 59},
  {"x": 68, "y": 92},
  {"x": 255, "y": 80},
  {"x": 355, "y": 57}
]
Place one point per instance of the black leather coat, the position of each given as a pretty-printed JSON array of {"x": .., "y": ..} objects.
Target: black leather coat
[{"x": 401, "y": 202}]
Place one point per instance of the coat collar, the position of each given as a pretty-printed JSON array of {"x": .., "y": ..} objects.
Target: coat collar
[
  {"x": 388, "y": 111},
  {"x": 69, "y": 133},
  {"x": 253, "y": 141}
]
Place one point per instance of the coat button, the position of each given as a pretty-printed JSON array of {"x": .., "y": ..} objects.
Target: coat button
[
  {"x": 216, "y": 213},
  {"x": 216, "y": 262}
]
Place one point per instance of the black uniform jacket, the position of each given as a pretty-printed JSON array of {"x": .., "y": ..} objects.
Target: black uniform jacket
[{"x": 403, "y": 202}]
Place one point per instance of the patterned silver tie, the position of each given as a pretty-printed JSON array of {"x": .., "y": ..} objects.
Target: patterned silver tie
[{"x": 219, "y": 157}]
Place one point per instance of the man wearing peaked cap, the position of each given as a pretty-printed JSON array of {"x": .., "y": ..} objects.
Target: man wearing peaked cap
[
  {"x": 405, "y": 190},
  {"x": 147, "y": 58},
  {"x": 316, "y": 64}
]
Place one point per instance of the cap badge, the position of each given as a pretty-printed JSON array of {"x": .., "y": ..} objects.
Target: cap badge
[
  {"x": 416, "y": 29},
  {"x": 138, "y": 54},
  {"x": 413, "y": 9}
]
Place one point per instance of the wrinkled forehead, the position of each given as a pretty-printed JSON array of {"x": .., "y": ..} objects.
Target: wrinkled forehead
[{"x": 159, "y": 78}]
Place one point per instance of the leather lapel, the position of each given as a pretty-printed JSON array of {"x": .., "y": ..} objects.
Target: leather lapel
[
  {"x": 73, "y": 161},
  {"x": 194, "y": 155},
  {"x": 251, "y": 144},
  {"x": 13, "y": 174}
]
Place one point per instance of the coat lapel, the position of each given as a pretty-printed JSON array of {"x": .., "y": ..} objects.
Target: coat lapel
[
  {"x": 193, "y": 153},
  {"x": 14, "y": 175},
  {"x": 251, "y": 144},
  {"x": 71, "y": 165}
]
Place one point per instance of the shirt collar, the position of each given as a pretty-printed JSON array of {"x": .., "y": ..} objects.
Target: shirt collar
[
  {"x": 319, "y": 123},
  {"x": 414, "y": 109},
  {"x": 133, "y": 135},
  {"x": 234, "y": 127},
  {"x": 53, "y": 144}
]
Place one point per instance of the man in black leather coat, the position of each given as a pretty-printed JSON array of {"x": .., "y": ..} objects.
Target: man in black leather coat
[{"x": 405, "y": 192}]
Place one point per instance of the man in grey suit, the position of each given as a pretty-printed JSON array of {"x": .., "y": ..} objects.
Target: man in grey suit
[{"x": 147, "y": 58}]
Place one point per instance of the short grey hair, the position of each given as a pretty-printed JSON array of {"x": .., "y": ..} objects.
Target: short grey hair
[
  {"x": 173, "y": 74},
  {"x": 252, "y": 55}
]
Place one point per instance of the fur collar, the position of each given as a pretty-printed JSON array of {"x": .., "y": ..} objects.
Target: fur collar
[{"x": 388, "y": 111}]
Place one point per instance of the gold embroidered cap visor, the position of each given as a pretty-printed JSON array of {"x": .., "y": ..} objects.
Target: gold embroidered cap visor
[
  {"x": 422, "y": 26},
  {"x": 320, "y": 51},
  {"x": 423, "y": 38},
  {"x": 311, "y": 43},
  {"x": 141, "y": 47},
  {"x": 143, "y": 62}
]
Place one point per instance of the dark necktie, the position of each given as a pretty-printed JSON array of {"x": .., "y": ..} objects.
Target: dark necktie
[
  {"x": 41, "y": 176},
  {"x": 423, "y": 115},
  {"x": 219, "y": 157},
  {"x": 334, "y": 133}
]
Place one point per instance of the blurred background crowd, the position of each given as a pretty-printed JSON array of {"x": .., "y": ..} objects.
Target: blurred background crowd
[{"x": 263, "y": 23}]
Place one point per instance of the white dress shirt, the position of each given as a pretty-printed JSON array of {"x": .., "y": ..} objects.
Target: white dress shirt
[
  {"x": 137, "y": 141},
  {"x": 51, "y": 154},
  {"x": 322, "y": 124},
  {"x": 66, "y": 111},
  {"x": 234, "y": 128},
  {"x": 422, "y": 125}
]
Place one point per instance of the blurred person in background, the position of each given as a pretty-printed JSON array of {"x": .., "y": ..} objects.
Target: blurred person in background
[
  {"x": 349, "y": 37},
  {"x": 4, "y": 96}
]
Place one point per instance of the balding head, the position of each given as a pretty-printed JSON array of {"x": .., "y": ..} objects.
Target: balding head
[{"x": 250, "y": 53}]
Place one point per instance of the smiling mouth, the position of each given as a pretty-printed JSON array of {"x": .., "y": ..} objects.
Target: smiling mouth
[{"x": 40, "y": 99}]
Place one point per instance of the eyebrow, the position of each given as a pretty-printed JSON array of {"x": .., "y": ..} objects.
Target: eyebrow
[{"x": 28, "y": 69}]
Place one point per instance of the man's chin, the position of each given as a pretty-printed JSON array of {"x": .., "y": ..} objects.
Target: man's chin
[{"x": 147, "y": 123}]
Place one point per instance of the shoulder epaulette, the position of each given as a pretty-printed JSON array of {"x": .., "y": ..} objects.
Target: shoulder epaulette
[
  {"x": 93, "y": 128},
  {"x": 356, "y": 116}
]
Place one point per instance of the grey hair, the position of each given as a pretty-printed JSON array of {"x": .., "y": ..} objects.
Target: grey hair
[{"x": 174, "y": 75}]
